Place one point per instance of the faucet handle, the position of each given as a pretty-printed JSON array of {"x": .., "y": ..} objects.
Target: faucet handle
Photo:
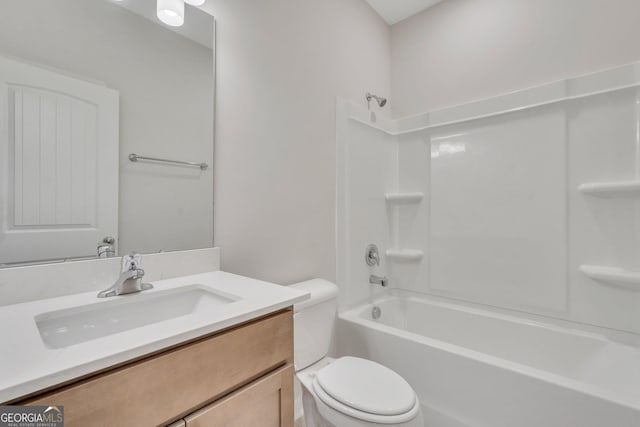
[
  {"x": 131, "y": 261},
  {"x": 372, "y": 256}
]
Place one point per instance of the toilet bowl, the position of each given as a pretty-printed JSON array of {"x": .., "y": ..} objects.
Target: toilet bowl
[
  {"x": 351, "y": 404},
  {"x": 348, "y": 391}
]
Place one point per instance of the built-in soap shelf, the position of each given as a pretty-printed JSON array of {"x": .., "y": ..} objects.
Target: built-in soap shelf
[
  {"x": 404, "y": 198},
  {"x": 614, "y": 276},
  {"x": 611, "y": 189},
  {"x": 406, "y": 255}
]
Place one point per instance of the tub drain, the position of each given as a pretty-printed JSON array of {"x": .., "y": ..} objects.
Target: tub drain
[{"x": 376, "y": 312}]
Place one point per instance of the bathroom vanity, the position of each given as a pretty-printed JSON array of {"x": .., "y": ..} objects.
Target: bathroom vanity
[
  {"x": 193, "y": 383},
  {"x": 225, "y": 346}
]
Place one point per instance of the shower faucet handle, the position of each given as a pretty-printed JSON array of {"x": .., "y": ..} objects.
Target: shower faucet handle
[{"x": 372, "y": 256}]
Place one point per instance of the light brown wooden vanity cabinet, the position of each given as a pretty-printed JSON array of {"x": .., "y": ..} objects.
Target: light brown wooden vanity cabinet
[{"x": 239, "y": 377}]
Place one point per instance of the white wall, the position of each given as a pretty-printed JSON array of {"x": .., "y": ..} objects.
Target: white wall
[
  {"x": 463, "y": 50},
  {"x": 166, "y": 110},
  {"x": 280, "y": 66}
]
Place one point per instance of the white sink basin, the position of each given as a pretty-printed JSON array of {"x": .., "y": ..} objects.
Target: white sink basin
[{"x": 63, "y": 328}]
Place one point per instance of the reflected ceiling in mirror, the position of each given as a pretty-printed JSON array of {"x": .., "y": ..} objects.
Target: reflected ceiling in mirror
[{"x": 84, "y": 84}]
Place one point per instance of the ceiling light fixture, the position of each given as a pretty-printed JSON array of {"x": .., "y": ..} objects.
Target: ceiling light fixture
[
  {"x": 171, "y": 12},
  {"x": 195, "y": 2}
]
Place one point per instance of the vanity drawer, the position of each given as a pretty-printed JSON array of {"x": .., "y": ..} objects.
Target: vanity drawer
[
  {"x": 173, "y": 384},
  {"x": 263, "y": 403}
]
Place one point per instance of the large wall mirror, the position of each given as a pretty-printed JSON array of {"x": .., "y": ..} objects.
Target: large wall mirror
[{"x": 84, "y": 86}]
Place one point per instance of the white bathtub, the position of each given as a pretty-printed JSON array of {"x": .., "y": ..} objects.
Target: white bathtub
[{"x": 477, "y": 368}]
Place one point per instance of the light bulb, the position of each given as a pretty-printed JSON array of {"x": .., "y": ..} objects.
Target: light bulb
[
  {"x": 171, "y": 12},
  {"x": 195, "y": 2}
]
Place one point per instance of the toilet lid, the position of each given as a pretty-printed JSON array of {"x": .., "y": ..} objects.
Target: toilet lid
[{"x": 366, "y": 386}]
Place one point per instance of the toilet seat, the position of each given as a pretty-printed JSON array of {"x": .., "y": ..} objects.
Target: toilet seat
[{"x": 367, "y": 391}]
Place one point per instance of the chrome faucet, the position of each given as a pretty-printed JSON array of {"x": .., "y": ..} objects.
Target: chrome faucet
[
  {"x": 130, "y": 280},
  {"x": 374, "y": 279}
]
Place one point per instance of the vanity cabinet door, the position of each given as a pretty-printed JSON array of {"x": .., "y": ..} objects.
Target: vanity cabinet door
[{"x": 267, "y": 402}]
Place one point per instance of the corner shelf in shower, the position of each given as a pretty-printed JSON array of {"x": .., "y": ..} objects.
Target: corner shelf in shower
[
  {"x": 614, "y": 276},
  {"x": 611, "y": 189},
  {"x": 407, "y": 255},
  {"x": 404, "y": 198}
]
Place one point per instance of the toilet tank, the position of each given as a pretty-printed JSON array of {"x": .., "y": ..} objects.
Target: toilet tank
[{"x": 313, "y": 322}]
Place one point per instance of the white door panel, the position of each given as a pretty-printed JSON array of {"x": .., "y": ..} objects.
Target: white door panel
[{"x": 59, "y": 168}]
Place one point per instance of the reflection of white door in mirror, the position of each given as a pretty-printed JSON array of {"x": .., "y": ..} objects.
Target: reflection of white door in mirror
[{"x": 58, "y": 164}]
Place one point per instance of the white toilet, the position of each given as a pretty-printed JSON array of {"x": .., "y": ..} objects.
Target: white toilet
[{"x": 349, "y": 391}]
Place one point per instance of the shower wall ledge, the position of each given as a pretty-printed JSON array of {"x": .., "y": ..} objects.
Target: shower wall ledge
[
  {"x": 404, "y": 198},
  {"x": 613, "y": 276},
  {"x": 406, "y": 255},
  {"x": 610, "y": 80},
  {"x": 611, "y": 189}
]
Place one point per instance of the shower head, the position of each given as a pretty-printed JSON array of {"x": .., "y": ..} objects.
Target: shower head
[{"x": 380, "y": 100}]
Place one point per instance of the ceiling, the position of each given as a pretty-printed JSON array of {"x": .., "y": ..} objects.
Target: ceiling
[{"x": 394, "y": 11}]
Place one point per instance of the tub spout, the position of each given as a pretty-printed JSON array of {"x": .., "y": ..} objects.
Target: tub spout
[{"x": 374, "y": 279}]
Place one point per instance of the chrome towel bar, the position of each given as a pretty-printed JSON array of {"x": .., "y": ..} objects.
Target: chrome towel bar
[{"x": 136, "y": 157}]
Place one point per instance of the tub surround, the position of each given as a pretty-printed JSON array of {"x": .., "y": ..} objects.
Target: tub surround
[
  {"x": 32, "y": 365},
  {"x": 508, "y": 216}
]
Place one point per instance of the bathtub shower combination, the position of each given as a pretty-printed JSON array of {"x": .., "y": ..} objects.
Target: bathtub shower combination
[{"x": 509, "y": 232}]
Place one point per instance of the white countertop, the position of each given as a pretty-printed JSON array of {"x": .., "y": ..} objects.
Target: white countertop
[{"x": 28, "y": 365}]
